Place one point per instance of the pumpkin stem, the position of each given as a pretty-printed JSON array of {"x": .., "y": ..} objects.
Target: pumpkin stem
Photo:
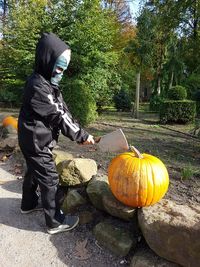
[{"x": 137, "y": 153}]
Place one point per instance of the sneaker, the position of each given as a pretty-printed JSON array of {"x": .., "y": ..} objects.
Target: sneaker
[
  {"x": 37, "y": 208},
  {"x": 69, "y": 223}
]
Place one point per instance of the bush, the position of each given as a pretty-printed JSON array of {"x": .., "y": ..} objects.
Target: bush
[
  {"x": 181, "y": 111},
  {"x": 196, "y": 96},
  {"x": 177, "y": 93},
  {"x": 11, "y": 92},
  {"x": 80, "y": 101},
  {"x": 122, "y": 101},
  {"x": 192, "y": 83},
  {"x": 155, "y": 101},
  {"x": 198, "y": 108}
]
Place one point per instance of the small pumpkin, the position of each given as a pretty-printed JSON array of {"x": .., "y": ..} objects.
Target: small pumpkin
[
  {"x": 10, "y": 121},
  {"x": 137, "y": 180}
]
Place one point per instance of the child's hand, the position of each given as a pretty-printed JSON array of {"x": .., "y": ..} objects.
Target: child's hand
[{"x": 89, "y": 141}]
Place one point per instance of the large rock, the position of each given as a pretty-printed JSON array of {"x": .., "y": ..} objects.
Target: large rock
[
  {"x": 147, "y": 258},
  {"x": 102, "y": 198},
  {"x": 10, "y": 142},
  {"x": 96, "y": 189},
  {"x": 76, "y": 171},
  {"x": 9, "y": 130},
  {"x": 60, "y": 155},
  {"x": 117, "y": 240},
  {"x": 72, "y": 201},
  {"x": 173, "y": 231}
]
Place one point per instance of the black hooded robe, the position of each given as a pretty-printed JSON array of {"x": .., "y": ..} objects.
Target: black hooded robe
[{"x": 42, "y": 116}]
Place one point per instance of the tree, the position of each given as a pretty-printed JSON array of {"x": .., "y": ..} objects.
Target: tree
[
  {"x": 141, "y": 49},
  {"x": 121, "y": 8},
  {"x": 89, "y": 29}
]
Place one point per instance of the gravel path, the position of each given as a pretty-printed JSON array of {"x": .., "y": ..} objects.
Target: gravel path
[{"x": 25, "y": 243}]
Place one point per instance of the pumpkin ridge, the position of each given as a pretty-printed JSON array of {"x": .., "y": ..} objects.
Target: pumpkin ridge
[
  {"x": 147, "y": 167},
  {"x": 153, "y": 180},
  {"x": 154, "y": 162}
]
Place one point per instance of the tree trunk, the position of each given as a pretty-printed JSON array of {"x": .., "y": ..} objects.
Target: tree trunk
[
  {"x": 137, "y": 96},
  {"x": 171, "y": 80},
  {"x": 195, "y": 20},
  {"x": 158, "y": 85}
]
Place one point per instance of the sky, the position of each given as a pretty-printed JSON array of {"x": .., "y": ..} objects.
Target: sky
[{"x": 134, "y": 6}]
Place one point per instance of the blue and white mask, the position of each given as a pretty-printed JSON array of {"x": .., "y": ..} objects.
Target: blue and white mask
[{"x": 60, "y": 66}]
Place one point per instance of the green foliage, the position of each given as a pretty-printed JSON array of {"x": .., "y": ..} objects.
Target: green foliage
[
  {"x": 177, "y": 93},
  {"x": 80, "y": 101},
  {"x": 91, "y": 32},
  {"x": 196, "y": 95},
  {"x": 103, "y": 80},
  {"x": 122, "y": 101},
  {"x": 198, "y": 108},
  {"x": 180, "y": 111},
  {"x": 192, "y": 83},
  {"x": 187, "y": 172},
  {"x": 155, "y": 102},
  {"x": 7, "y": 94}
]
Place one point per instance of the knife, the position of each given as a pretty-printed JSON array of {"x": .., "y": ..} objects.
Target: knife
[{"x": 113, "y": 142}]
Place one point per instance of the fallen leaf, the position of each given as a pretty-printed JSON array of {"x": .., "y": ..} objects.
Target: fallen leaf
[
  {"x": 18, "y": 165},
  {"x": 17, "y": 171},
  {"x": 80, "y": 250}
]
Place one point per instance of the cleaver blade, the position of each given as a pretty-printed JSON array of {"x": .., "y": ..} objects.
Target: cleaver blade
[{"x": 113, "y": 142}]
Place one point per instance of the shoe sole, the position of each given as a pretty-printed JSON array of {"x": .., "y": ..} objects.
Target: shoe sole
[
  {"x": 30, "y": 211},
  {"x": 60, "y": 230}
]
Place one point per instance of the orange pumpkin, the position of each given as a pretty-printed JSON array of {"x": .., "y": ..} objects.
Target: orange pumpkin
[
  {"x": 10, "y": 121},
  {"x": 137, "y": 180}
]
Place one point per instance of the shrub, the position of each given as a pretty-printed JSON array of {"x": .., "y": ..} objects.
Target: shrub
[
  {"x": 155, "y": 101},
  {"x": 198, "y": 108},
  {"x": 196, "y": 96},
  {"x": 192, "y": 83},
  {"x": 80, "y": 101},
  {"x": 122, "y": 101},
  {"x": 177, "y": 93},
  {"x": 181, "y": 111}
]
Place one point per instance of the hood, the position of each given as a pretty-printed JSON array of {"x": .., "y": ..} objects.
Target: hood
[{"x": 48, "y": 49}]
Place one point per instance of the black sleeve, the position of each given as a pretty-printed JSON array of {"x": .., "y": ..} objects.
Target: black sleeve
[{"x": 51, "y": 110}]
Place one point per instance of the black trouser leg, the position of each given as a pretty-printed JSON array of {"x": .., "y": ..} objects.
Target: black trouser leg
[
  {"x": 29, "y": 194},
  {"x": 44, "y": 170}
]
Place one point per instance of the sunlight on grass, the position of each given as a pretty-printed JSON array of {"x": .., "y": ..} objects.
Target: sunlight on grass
[{"x": 187, "y": 172}]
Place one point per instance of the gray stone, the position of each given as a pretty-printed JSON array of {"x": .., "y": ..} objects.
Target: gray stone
[
  {"x": 72, "y": 201},
  {"x": 102, "y": 198},
  {"x": 9, "y": 130},
  {"x": 117, "y": 240},
  {"x": 76, "y": 171},
  {"x": 10, "y": 142},
  {"x": 173, "y": 231},
  {"x": 96, "y": 188},
  {"x": 60, "y": 155},
  {"x": 116, "y": 208},
  {"x": 147, "y": 258}
]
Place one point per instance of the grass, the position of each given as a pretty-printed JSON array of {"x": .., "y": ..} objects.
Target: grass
[
  {"x": 173, "y": 148},
  {"x": 187, "y": 172}
]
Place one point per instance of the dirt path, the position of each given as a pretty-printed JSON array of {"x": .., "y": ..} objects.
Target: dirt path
[{"x": 25, "y": 243}]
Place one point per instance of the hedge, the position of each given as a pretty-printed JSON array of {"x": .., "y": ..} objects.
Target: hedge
[
  {"x": 177, "y": 93},
  {"x": 181, "y": 111}
]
